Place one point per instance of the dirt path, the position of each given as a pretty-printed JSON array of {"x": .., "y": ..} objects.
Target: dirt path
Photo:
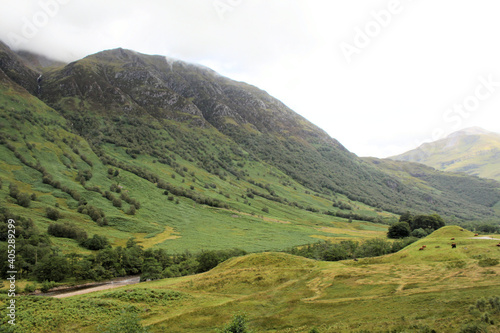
[
  {"x": 85, "y": 290},
  {"x": 485, "y": 237}
]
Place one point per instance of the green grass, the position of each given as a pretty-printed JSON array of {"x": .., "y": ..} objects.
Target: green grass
[
  {"x": 474, "y": 155},
  {"x": 160, "y": 222},
  {"x": 407, "y": 291}
]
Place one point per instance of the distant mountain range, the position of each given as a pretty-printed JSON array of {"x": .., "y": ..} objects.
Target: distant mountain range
[{"x": 474, "y": 151}]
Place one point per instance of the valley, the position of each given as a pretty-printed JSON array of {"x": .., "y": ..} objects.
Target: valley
[{"x": 124, "y": 164}]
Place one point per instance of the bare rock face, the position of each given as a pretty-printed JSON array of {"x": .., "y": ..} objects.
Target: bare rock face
[{"x": 13, "y": 66}]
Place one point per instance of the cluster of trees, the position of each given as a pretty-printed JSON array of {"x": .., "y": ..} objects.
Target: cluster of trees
[
  {"x": 109, "y": 262},
  {"x": 190, "y": 194},
  {"x": 341, "y": 205},
  {"x": 96, "y": 214},
  {"x": 22, "y": 199},
  {"x": 37, "y": 258},
  {"x": 355, "y": 216},
  {"x": 329, "y": 251},
  {"x": 415, "y": 225},
  {"x": 31, "y": 245},
  {"x": 67, "y": 230},
  {"x": 489, "y": 228}
]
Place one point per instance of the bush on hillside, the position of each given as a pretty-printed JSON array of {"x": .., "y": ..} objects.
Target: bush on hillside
[
  {"x": 52, "y": 214},
  {"x": 67, "y": 230},
  {"x": 237, "y": 325},
  {"x": 24, "y": 200}
]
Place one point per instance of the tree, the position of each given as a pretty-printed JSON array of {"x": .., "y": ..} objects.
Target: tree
[
  {"x": 151, "y": 270},
  {"x": 419, "y": 233},
  {"x": 399, "y": 230},
  {"x": 51, "y": 268},
  {"x": 433, "y": 222},
  {"x": 373, "y": 248},
  {"x": 406, "y": 217},
  {"x": 207, "y": 260}
]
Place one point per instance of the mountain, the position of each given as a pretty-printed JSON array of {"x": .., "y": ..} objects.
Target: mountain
[
  {"x": 124, "y": 145},
  {"x": 474, "y": 151}
]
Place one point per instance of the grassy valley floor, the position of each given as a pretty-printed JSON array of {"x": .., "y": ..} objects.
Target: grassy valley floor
[{"x": 414, "y": 290}]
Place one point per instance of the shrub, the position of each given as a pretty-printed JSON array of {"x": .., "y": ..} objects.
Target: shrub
[
  {"x": 24, "y": 199},
  {"x": 30, "y": 288},
  {"x": 131, "y": 210},
  {"x": 13, "y": 190},
  {"x": 117, "y": 202},
  {"x": 46, "y": 286},
  {"x": 237, "y": 325},
  {"x": 52, "y": 214}
]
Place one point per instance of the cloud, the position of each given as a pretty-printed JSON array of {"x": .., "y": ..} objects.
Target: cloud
[{"x": 393, "y": 93}]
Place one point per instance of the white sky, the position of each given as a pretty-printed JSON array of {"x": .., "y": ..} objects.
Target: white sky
[{"x": 386, "y": 93}]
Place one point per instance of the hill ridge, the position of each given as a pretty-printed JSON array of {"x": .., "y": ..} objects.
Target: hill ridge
[{"x": 473, "y": 151}]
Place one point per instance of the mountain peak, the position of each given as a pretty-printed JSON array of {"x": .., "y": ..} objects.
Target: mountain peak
[{"x": 475, "y": 130}]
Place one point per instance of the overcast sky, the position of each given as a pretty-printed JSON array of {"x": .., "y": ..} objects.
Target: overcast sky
[{"x": 380, "y": 76}]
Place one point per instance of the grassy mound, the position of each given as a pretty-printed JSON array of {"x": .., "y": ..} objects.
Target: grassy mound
[
  {"x": 253, "y": 273},
  {"x": 451, "y": 231},
  {"x": 267, "y": 260}
]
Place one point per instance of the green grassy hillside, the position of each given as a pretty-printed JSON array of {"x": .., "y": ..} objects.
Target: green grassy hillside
[
  {"x": 473, "y": 151},
  {"x": 440, "y": 187},
  {"x": 438, "y": 288},
  {"x": 201, "y": 210}
]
